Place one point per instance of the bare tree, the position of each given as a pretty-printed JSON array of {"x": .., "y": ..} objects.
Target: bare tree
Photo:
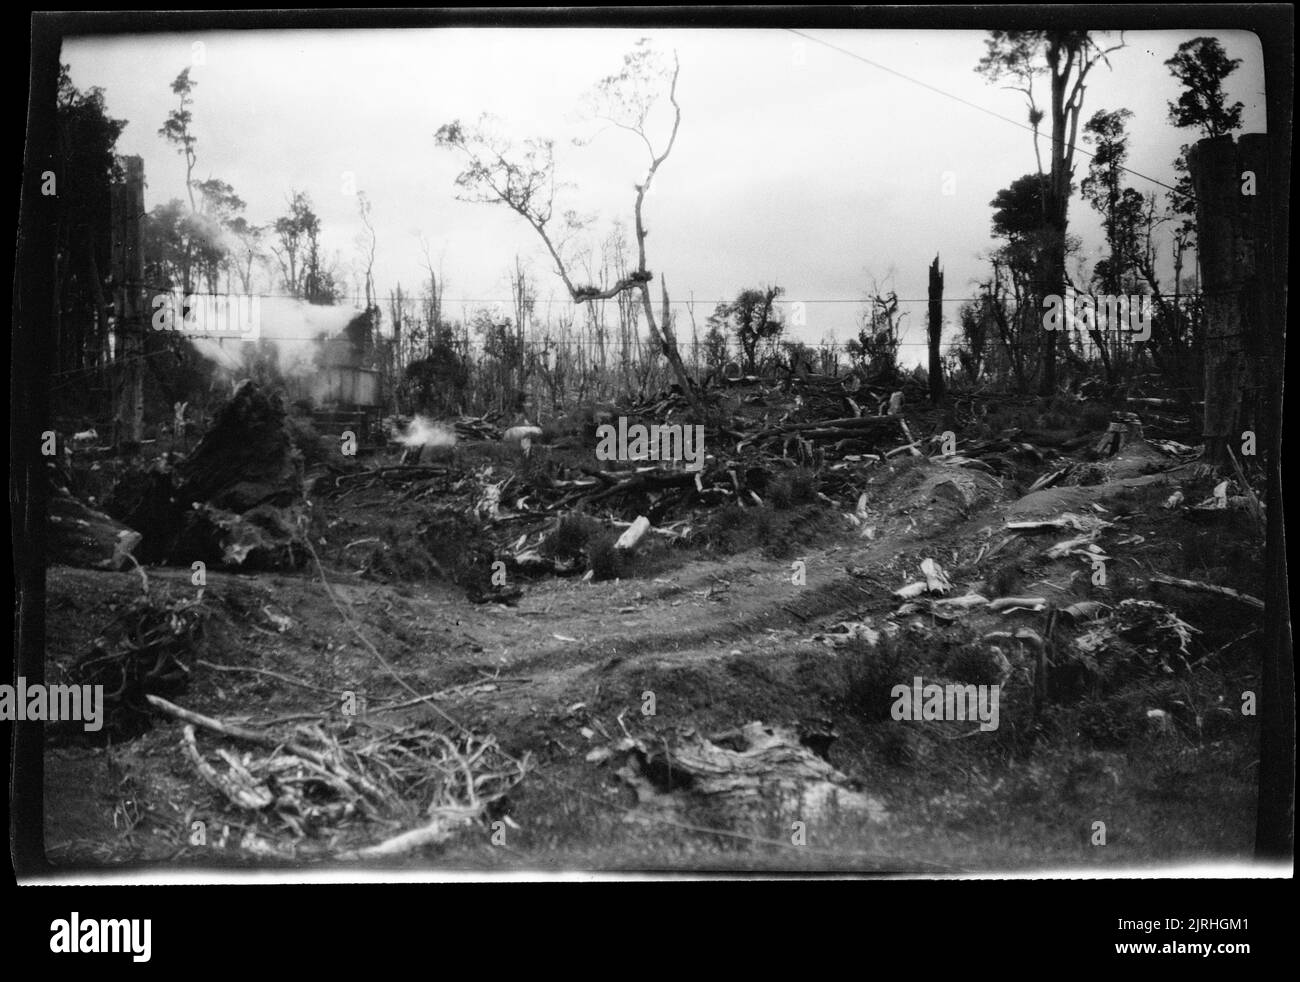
[
  {"x": 369, "y": 243},
  {"x": 524, "y": 180}
]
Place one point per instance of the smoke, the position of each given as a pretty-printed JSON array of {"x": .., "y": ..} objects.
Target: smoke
[
  {"x": 424, "y": 432},
  {"x": 210, "y": 233},
  {"x": 295, "y": 329}
]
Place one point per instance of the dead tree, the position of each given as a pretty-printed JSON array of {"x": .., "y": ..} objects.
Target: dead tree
[
  {"x": 935, "y": 332},
  {"x": 498, "y": 173},
  {"x": 1241, "y": 227},
  {"x": 1265, "y": 296},
  {"x": 128, "y": 275},
  {"x": 1226, "y": 245}
]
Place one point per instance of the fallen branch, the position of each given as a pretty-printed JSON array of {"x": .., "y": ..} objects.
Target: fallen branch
[
  {"x": 445, "y": 822},
  {"x": 239, "y": 788},
  {"x": 1256, "y": 509},
  {"x": 267, "y": 672},
  {"x": 263, "y": 740},
  {"x": 1218, "y": 591}
]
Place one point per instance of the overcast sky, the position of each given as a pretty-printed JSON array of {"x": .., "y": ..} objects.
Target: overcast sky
[{"x": 795, "y": 164}]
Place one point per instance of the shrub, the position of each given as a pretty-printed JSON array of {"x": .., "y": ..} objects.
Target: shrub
[
  {"x": 973, "y": 664},
  {"x": 873, "y": 671},
  {"x": 570, "y": 538},
  {"x": 605, "y": 562}
]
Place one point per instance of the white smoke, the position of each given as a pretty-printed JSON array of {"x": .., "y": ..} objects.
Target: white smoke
[
  {"x": 424, "y": 432},
  {"x": 295, "y": 328}
]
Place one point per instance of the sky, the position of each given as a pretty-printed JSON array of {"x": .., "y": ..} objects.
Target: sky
[{"x": 795, "y": 164}]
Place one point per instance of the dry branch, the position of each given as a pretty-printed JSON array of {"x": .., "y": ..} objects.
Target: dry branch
[{"x": 1218, "y": 591}]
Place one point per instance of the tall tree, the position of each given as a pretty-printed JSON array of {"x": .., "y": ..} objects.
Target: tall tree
[
  {"x": 303, "y": 267},
  {"x": 212, "y": 228},
  {"x": 176, "y": 129},
  {"x": 1201, "y": 66},
  {"x": 1067, "y": 58},
  {"x": 1018, "y": 221},
  {"x": 87, "y": 169},
  {"x": 1104, "y": 187}
]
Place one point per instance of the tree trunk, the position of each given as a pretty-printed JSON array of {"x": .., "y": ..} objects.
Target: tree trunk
[
  {"x": 936, "y": 332},
  {"x": 1051, "y": 278},
  {"x": 128, "y": 269},
  {"x": 1221, "y": 240},
  {"x": 100, "y": 338},
  {"x": 1265, "y": 285},
  {"x": 35, "y": 306},
  {"x": 662, "y": 333}
]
